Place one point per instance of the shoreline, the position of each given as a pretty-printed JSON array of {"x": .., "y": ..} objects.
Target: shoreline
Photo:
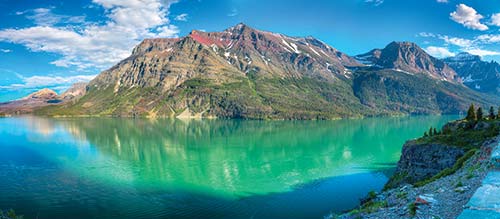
[{"x": 445, "y": 196}]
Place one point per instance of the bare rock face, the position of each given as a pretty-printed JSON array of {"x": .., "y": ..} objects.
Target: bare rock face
[
  {"x": 167, "y": 63},
  {"x": 409, "y": 57},
  {"x": 422, "y": 161},
  {"x": 75, "y": 91}
]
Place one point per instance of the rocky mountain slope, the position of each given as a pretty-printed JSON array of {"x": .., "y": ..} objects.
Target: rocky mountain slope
[
  {"x": 475, "y": 73},
  {"x": 408, "y": 57},
  {"x": 242, "y": 72}
]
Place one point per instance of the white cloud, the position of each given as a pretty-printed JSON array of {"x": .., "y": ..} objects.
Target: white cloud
[
  {"x": 481, "y": 52},
  {"x": 5, "y": 50},
  {"x": 461, "y": 42},
  {"x": 47, "y": 81},
  {"x": 439, "y": 52},
  {"x": 98, "y": 45},
  {"x": 442, "y": 1},
  {"x": 495, "y": 19},
  {"x": 375, "y": 2},
  {"x": 468, "y": 17},
  {"x": 489, "y": 38},
  {"x": 233, "y": 13},
  {"x": 181, "y": 17},
  {"x": 45, "y": 17},
  {"x": 426, "y": 34}
]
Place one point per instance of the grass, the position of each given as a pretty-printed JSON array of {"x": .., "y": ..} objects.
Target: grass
[
  {"x": 395, "y": 180},
  {"x": 448, "y": 171},
  {"x": 471, "y": 169}
]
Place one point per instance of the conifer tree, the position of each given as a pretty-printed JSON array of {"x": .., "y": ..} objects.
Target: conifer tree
[
  {"x": 492, "y": 113},
  {"x": 425, "y": 134},
  {"x": 430, "y": 131},
  {"x": 498, "y": 114},
  {"x": 471, "y": 113},
  {"x": 479, "y": 114},
  {"x": 434, "y": 132}
]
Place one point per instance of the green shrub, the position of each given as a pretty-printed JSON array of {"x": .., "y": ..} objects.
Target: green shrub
[{"x": 413, "y": 209}]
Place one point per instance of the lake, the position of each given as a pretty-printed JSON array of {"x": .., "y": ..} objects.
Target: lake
[{"x": 170, "y": 168}]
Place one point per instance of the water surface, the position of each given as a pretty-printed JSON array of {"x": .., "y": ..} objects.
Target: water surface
[{"x": 139, "y": 168}]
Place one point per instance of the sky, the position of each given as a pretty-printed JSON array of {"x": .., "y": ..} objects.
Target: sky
[{"x": 56, "y": 43}]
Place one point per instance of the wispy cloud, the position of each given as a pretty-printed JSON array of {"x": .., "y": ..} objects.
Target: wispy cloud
[
  {"x": 482, "y": 52},
  {"x": 5, "y": 50},
  {"x": 468, "y": 17},
  {"x": 375, "y": 2},
  {"x": 181, "y": 17},
  {"x": 96, "y": 45},
  {"x": 474, "y": 46},
  {"x": 45, "y": 17},
  {"x": 47, "y": 81},
  {"x": 439, "y": 52},
  {"x": 233, "y": 13},
  {"x": 495, "y": 19},
  {"x": 442, "y": 1}
]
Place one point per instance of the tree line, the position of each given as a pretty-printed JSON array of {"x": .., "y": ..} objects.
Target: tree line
[{"x": 473, "y": 115}]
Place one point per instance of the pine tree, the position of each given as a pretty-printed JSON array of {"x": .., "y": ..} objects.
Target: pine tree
[
  {"x": 425, "y": 134},
  {"x": 434, "y": 132},
  {"x": 498, "y": 114},
  {"x": 479, "y": 114},
  {"x": 471, "y": 113},
  {"x": 492, "y": 114},
  {"x": 430, "y": 131}
]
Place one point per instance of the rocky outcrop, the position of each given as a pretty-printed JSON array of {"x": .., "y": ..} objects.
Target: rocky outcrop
[{"x": 422, "y": 161}]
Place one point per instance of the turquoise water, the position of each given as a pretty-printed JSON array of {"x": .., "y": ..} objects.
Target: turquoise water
[{"x": 139, "y": 168}]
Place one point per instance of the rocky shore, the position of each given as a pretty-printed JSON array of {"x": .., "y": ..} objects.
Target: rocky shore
[{"x": 436, "y": 175}]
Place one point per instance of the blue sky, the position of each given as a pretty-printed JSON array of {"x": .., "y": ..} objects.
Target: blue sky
[{"x": 55, "y": 43}]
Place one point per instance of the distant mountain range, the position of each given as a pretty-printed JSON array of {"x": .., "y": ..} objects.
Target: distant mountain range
[
  {"x": 42, "y": 98},
  {"x": 475, "y": 73},
  {"x": 242, "y": 72}
]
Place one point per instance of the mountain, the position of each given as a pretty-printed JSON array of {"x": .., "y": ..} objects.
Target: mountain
[
  {"x": 475, "y": 73},
  {"x": 75, "y": 91},
  {"x": 408, "y": 57},
  {"x": 42, "y": 98},
  {"x": 242, "y": 72}
]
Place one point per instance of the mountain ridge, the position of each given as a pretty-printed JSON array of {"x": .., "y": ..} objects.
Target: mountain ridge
[
  {"x": 476, "y": 74},
  {"x": 242, "y": 72},
  {"x": 409, "y": 57}
]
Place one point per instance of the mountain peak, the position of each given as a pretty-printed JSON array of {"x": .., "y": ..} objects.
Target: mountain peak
[
  {"x": 465, "y": 56},
  {"x": 403, "y": 44},
  {"x": 45, "y": 93},
  {"x": 408, "y": 57}
]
